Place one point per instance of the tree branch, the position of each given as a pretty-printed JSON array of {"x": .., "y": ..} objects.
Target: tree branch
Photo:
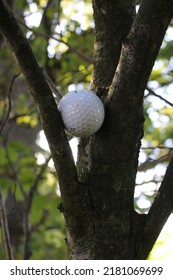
[
  {"x": 159, "y": 212},
  {"x": 9, "y": 104},
  {"x": 151, "y": 92},
  {"x": 143, "y": 41},
  {"x": 125, "y": 97},
  {"x": 4, "y": 224},
  {"x": 71, "y": 48},
  {"x": 13, "y": 169},
  {"x": 28, "y": 205},
  {"x": 46, "y": 21},
  {"x": 52, "y": 86},
  {"x": 113, "y": 21},
  {"x": 150, "y": 163},
  {"x": 73, "y": 197},
  {"x": 119, "y": 139}
]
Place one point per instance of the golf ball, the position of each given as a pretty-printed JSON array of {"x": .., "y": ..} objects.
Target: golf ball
[{"x": 82, "y": 112}]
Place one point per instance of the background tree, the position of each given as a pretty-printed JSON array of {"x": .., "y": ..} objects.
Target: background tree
[{"x": 97, "y": 196}]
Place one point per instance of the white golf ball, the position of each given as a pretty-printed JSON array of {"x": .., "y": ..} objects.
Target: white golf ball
[{"x": 82, "y": 112}]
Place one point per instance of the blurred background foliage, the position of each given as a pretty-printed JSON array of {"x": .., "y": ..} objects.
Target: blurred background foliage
[{"x": 61, "y": 34}]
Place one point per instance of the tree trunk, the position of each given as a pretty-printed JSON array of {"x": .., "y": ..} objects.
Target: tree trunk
[
  {"x": 97, "y": 196},
  {"x": 108, "y": 160}
]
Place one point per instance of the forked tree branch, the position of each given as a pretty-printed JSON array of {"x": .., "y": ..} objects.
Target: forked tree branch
[
  {"x": 72, "y": 196},
  {"x": 139, "y": 52}
]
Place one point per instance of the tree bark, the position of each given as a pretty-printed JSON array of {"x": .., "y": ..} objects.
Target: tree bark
[
  {"x": 113, "y": 20},
  {"x": 97, "y": 198},
  {"x": 108, "y": 161}
]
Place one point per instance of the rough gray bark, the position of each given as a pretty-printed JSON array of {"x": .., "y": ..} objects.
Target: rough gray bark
[
  {"x": 108, "y": 160},
  {"x": 97, "y": 198},
  {"x": 113, "y": 20}
]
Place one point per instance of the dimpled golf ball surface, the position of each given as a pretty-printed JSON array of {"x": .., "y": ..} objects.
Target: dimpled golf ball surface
[{"x": 82, "y": 112}]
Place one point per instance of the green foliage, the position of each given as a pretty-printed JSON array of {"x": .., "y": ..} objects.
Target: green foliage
[
  {"x": 68, "y": 60},
  {"x": 19, "y": 172}
]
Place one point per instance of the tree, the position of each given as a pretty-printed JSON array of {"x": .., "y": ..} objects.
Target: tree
[{"x": 97, "y": 195}]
